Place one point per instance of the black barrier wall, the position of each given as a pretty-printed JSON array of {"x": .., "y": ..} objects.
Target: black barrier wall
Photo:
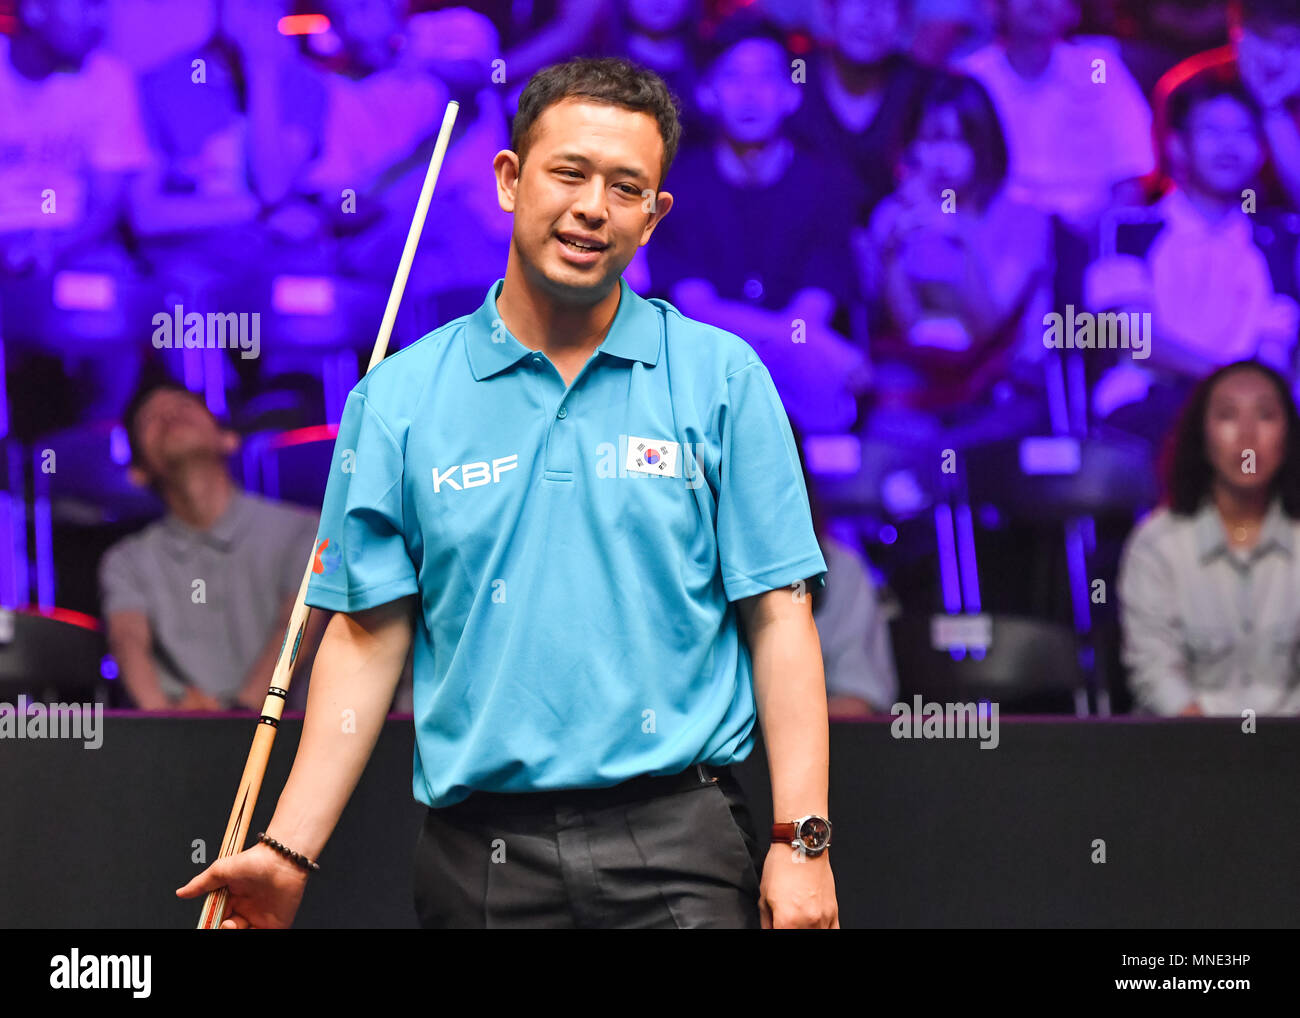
[{"x": 1199, "y": 823}]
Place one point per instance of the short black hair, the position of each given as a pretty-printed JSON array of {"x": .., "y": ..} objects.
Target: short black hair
[
  {"x": 142, "y": 394},
  {"x": 742, "y": 27},
  {"x": 979, "y": 122},
  {"x": 610, "y": 80},
  {"x": 1186, "y": 471},
  {"x": 1205, "y": 86}
]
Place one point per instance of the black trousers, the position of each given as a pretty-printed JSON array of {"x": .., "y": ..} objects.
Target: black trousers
[{"x": 676, "y": 852}]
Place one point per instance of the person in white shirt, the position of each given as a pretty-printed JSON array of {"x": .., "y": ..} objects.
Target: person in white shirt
[
  {"x": 1078, "y": 127},
  {"x": 1209, "y": 583}
]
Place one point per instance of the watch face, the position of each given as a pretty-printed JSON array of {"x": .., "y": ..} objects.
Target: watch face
[{"x": 814, "y": 832}]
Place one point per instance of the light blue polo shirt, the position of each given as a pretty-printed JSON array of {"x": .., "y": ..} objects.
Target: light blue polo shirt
[{"x": 576, "y": 550}]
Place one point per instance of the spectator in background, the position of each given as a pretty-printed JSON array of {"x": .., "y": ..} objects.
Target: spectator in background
[
  {"x": 852, "y": 623},
  {"x": 1078, "y": 129},
  {"x": 227, "y": 146},
  {"x": 196, "y": 604},
  {"x": 70, "y": 139},
  {"x": 1220, "y": 283},
  {"x": 661, "y": 35},
  {"x": 763, "y": 247},
  {"x": 454, "y": 48},
  {"x": 859, "y": 90},
  {"x": 1265, "y": 52},
  {"x": 1209, "y": 583},
  {"x": 959, "y": 270},
  {"x": 216, "y": 208}
]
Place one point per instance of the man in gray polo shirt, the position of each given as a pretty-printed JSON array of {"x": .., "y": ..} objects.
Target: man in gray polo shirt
[{"x": 197, "y": 603}]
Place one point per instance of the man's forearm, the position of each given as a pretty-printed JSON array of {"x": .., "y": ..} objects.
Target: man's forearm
[
  {"x": 352, "y": 685},
  {"x": 790, "y": 688}
]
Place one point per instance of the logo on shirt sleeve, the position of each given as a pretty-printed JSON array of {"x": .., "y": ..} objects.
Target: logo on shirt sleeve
[
  {"x": 327, "y": 559},
  {"x": 656, "y": 456}
]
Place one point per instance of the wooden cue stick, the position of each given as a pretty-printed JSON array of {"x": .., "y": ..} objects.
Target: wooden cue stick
[{"x": 241, "y": 814}]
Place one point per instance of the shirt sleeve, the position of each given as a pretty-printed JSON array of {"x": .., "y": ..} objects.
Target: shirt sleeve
[
  {"x": 120, "y": 589},
  {"x": 764, "y": 524},
  {"x": 1152, "y": 645},
  {"x": 361, "y": 558}
]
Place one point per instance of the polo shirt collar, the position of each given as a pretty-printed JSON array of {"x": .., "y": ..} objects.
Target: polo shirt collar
[
  {"x": 1211, "y": 539},
  {"x": 221, "y": 535},
  {"x": 634, "y": 334}
]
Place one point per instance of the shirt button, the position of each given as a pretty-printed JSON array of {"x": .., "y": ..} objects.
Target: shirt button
[
  {"x": 564, "y": 412},
  {"x": 1247, "y": 626}
]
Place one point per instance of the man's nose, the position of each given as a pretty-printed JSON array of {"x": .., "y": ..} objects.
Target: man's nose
[{"x": 590, "y": 200}]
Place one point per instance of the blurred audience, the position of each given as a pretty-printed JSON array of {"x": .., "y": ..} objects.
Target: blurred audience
[
  {"x": 1209, "y": 583},
  {"x": 1220, "y": 283},
  {"x": 959, "y": 269},
  {"x": 1077, "y": 126},
  {"x": 196, "y": 604},
  {"x": 758, "y": 242},
  {"x": 70, "y": 138},
  {"x": 860, "y": 87},
  {"x": 883, "y": 197},
  {"x": 1265, "y": 52}
]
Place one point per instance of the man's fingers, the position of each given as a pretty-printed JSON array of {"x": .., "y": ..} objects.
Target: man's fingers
[
  {"x": 235, "y": 921},
  {"x": 209, "y": 880}
]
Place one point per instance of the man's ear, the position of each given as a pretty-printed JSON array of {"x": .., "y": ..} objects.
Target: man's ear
[
  {"x": 505, "y": 164},
  {"x": 137, "y": 476},
  {"x": 230, "y": 441},
  {"x": 663, "y": 203}
]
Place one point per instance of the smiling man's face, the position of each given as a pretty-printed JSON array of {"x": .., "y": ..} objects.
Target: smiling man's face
[{"x": 585, "y": 199}]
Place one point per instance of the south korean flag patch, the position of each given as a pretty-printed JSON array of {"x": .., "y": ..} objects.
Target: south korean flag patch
[{"x": 652, "y": 456}]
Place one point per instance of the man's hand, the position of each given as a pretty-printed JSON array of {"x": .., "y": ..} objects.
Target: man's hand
[
  {"x": 265, "y": 888},
  {"x": 798, "y": 891}
]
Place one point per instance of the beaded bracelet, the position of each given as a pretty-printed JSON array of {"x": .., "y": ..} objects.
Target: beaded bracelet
[{"x": 288, "y": 853}]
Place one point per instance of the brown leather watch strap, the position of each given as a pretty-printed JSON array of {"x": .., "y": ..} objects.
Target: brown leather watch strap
[{"x": 784, "y": 833}]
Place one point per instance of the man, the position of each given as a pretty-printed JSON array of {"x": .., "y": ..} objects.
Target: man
[
  {"x": 197, "y": 603},
  {"x": 1265, "y": 51},
  {"x": 859, "y": 92},
  {"x": 580, "y": 673},
  {"x": 71, "y": 139},
  {"x": 1220, "y": 283}
]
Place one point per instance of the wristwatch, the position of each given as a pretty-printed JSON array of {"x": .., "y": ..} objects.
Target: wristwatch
[{"x": 810, "y": 834}]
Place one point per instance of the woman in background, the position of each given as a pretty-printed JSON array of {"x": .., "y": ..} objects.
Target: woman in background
[
  {"x": 953, "y": 268},
  {"x": 1209, "y": 582}
]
